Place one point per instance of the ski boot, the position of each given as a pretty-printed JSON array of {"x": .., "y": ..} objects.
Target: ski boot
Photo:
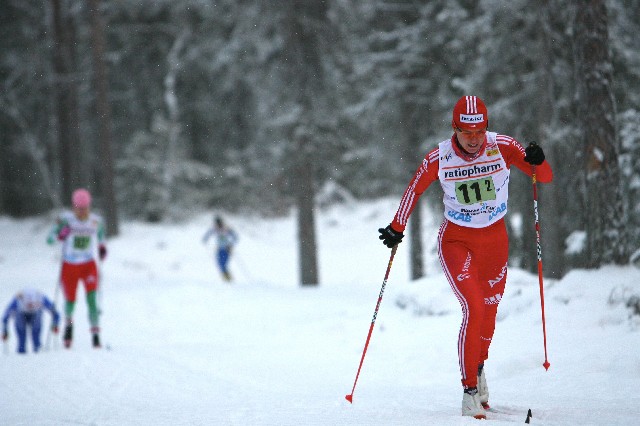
[
  {"x": 67, "y": 337},
  {"x": 96, "y": 337},
  {"x": 471, "y": 404},
  {"x": 483, "y": 389}
]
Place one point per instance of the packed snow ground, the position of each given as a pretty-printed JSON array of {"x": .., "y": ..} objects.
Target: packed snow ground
[{"x": 180, "y": 347}]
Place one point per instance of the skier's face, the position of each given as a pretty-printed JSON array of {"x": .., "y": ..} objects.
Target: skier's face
[
  {"x": 471, "y": 140},
  {"x": 81, "y": 212}
]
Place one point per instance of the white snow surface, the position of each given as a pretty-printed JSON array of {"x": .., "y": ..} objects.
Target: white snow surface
[{"x": 180, "y": 347}]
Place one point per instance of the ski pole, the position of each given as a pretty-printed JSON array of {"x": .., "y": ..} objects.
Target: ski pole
[
  {"x": 539, "y": 251},
  {"x": 349, "y": 397},
  {"x": 243, "y": 267},
  {"x": 55, "y": 302}
]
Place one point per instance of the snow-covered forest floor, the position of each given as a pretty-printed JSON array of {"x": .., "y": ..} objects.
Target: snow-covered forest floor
[{"x": 180, "y": 347}]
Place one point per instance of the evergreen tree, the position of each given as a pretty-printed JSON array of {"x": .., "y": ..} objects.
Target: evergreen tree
[{"x": 603, "y": 202}]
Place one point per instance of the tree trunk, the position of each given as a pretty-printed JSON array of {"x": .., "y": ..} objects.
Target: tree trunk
[
  {"x": 104, "y": 119},
  {"x": 606, "y": 236},
  {"x": 66, "y": 91},
  {"x": 409, "y": 119},
  {"x": 305, "y": 196},
  {"x": 305, "y": 75},
  {"x": 415, "y": 236},
  {"x": 550, "y": 205}
]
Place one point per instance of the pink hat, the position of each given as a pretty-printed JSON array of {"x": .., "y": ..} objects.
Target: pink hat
[{"x": 81, "y": 198}]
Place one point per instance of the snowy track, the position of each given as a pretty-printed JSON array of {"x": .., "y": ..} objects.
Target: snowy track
[{"x": 187, "y": 349}]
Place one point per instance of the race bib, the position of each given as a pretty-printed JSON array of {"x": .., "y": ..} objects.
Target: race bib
[{"x": 475, "y": 191}]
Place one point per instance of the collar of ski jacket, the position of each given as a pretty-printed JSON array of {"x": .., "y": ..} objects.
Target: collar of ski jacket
[{"x": 460, "y": 152}]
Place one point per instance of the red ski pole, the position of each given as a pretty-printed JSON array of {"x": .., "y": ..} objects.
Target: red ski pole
[
  {"x": 540, "y": 279},
  {"x": 373, "y": 321}
]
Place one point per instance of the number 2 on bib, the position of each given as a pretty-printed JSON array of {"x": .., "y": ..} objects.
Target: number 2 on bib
[{"x": 475, "y": 191}]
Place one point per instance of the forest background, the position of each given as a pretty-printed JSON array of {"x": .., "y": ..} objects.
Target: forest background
[{"x": 167, "y": 108}]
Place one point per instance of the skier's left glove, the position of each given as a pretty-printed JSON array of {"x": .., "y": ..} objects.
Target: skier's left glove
[
  {"x": 390, "y": 237},
  {"x": 5, "y": 335},
  {"x": 54, "y": 329},
  {"x": 102, "y": 251},
  {"x": 534, "y": 154}
]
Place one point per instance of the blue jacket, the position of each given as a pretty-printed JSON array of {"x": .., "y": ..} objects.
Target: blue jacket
[{"x": 29, "y": 301}]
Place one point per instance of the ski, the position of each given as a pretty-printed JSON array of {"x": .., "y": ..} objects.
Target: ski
[{"x": 509, "y": 413}]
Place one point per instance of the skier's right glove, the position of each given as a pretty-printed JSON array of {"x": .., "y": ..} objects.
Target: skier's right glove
[
  {"x": 54, "y": 329},
  {"x": 390, "y": 237},
  {"x": 5, "y": 335},
  {"x": 64, "y": 233}
]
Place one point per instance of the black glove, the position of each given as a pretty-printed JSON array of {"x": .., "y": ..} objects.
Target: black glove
[
  {"x": 102, "y": 251},
  {"x": 534, "y": 154},
  {"x": 389, "y": 237}
]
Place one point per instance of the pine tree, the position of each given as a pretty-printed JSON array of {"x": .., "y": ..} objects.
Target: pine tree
[{"x": 603, "y": 201}]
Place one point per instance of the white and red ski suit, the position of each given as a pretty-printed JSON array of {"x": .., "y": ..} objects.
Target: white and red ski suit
[{"x": 472, "y": 242}]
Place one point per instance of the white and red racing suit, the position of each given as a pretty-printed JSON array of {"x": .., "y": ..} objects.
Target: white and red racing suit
[{"x": 472, "y": 242}]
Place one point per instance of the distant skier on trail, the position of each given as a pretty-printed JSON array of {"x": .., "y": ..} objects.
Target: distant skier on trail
[
  {"x": 26, "y": 309},
  {"x": 83, "y": 239},
  {"x": 226, "y": 239},
  {"x": 473, "y": 168}
]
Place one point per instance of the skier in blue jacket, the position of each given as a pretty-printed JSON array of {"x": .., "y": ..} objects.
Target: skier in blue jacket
[
  {"x": 226, "y": 239},
  {"x": 26, "y": 309}
]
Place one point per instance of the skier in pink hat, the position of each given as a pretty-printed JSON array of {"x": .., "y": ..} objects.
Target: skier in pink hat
[{"x": 82, "y": 235}]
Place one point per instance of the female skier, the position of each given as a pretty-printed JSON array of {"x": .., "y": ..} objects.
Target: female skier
[
  {"x": 473, "y": 168},
  {"x": 83, "y": 239}
]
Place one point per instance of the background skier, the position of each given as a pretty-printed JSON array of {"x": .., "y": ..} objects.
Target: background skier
[
  {"x": 83, "y": 238},
  {"x": 26, "y": 309},
  {"x": 226, "y": 239}
]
